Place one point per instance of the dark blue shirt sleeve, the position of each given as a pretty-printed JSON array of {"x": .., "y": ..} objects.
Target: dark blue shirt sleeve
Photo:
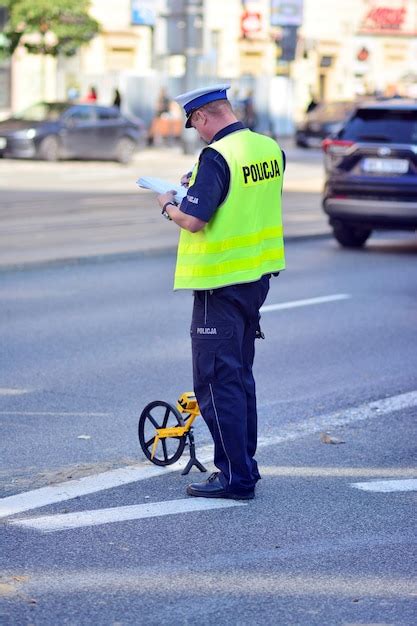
[{"x": 210, "y": 186}]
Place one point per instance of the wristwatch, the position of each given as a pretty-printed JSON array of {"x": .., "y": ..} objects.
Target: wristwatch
[{"x": 164, "y": 210}]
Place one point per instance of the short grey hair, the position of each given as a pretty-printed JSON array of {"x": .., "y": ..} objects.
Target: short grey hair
[{"x": 217, "y": 107}]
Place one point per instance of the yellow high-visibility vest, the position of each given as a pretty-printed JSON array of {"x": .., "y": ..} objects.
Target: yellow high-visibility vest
[{"x": 244, "y": 239}]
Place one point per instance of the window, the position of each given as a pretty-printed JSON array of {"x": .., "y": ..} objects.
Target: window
[
  {"x": 108, "y": 114},
  {"x": 326, "y": 61},
  {"x": 81, "y": 114},
  {"x": 42, "y": 111},
  {"x": 387, "y": 125}
]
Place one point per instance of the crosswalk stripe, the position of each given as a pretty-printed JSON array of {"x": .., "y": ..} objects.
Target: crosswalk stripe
[
  {"x": 11, "y": 505},
  {"x": 297, "y": 303},
  {"x": 388, "y": 486},
  {"x": 78, "y": 487},
  {"x": 331, "y": 421},
  {"x": 13, "y": 391},
  {"x": 67, "y": 521}
]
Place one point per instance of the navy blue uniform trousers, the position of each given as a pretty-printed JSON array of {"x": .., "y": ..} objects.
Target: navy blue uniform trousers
[{"x": 223, "y": 332}]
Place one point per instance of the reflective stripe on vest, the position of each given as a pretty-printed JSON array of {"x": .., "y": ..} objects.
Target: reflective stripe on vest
[{"x": 250, "y": 217}]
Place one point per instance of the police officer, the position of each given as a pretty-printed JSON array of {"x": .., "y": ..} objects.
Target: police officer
[{"x": 231, "y": 241}]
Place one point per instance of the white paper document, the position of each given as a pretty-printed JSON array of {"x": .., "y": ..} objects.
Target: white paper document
[{"x": 161, "y": 186}]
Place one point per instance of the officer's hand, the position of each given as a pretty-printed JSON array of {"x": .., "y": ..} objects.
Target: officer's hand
[
  {"x": 168, "y": 196},
  {"x": 185, "y": 180}
]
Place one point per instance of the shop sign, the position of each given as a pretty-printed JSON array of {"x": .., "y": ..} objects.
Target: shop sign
[
  {"x": 250, "y": 23},
  {"x": 286, "y": 12},
  {"x": 388, "y": 17}
]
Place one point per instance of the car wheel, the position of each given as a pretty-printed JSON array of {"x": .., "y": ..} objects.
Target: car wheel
[
  {"x": 49, "y": 149},
  {"x": 349, "y": 235},
  {"x": 125, "y": 150}
]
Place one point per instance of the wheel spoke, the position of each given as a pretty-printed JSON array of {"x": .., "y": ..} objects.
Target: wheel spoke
[
  {"x": 149, "y": 442},
  {"x": 153, "y": 420},
  {"x": 166, "y": 416}
]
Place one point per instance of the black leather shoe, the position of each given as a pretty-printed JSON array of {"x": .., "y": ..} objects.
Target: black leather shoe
[{"x": 212, "y": 488}]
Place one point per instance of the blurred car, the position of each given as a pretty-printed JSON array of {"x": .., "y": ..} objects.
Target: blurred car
[
  {"x": 61, "y": 130},
  {"x": 324, "y": 120},
  {"x": 371, "y": 171}
]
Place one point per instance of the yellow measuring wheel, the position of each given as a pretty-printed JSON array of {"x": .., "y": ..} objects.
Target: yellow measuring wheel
[{"x": 164, "y": 429}]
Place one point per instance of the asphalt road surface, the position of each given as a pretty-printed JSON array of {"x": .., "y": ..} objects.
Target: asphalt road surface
[
  {"x": 73, "y": 209},
  {"x": 90, "y": 533}
]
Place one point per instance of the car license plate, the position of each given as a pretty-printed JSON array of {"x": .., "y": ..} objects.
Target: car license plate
[
  {"x": 3, "y": 142},
  {"x": 385, "y": 166}
]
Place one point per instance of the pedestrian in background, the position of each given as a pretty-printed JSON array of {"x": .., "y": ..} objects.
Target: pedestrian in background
[
  {"x": 231, "y": 242},
  {"x": 313, "y": 102},
  {"x": 162, "y": 105},
  {"x": 156, "y": 129},
  {"x": 117, "y": 99},
  {"x": 166, "y": 124},
  {"x": 249, "y": 114},
  {"x": 91, "y": 95}
]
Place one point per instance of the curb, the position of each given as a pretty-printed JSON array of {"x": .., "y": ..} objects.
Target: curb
[{"x": 95, "y": 259}]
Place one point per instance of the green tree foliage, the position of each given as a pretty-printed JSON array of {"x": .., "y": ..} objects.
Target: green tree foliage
[{"x": 48, "y": 26}]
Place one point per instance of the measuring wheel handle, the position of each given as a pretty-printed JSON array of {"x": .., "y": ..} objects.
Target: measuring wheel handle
[{"x": 187, "y": 404}]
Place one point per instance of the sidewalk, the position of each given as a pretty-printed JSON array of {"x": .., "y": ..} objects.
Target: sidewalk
[{"x": 69, "y": 211}]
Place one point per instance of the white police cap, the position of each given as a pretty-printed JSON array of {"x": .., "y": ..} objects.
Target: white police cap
[{"x": 193, "y": 100}]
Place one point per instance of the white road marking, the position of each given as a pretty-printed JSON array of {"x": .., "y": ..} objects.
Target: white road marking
[
  {"x": 52, "y": 523},
  {"x": 296, "y": 303},
  {"x": 79, "y": 487},
  {"x": 331, "y": 421},
  {"x": 27, "y": 501},
  {"x": 33, "y": 295},
  {"x": 336, "y": 471},
  {"x": 6, "y": 391},
  {"x": 388, "y": 486},
  {"x": 55, "y": 413}
]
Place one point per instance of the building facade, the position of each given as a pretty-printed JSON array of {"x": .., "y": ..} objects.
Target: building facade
[{"x": 285, "y": 51}]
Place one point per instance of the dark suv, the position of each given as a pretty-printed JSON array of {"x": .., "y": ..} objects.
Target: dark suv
[{"x": 371, "y": 171}]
